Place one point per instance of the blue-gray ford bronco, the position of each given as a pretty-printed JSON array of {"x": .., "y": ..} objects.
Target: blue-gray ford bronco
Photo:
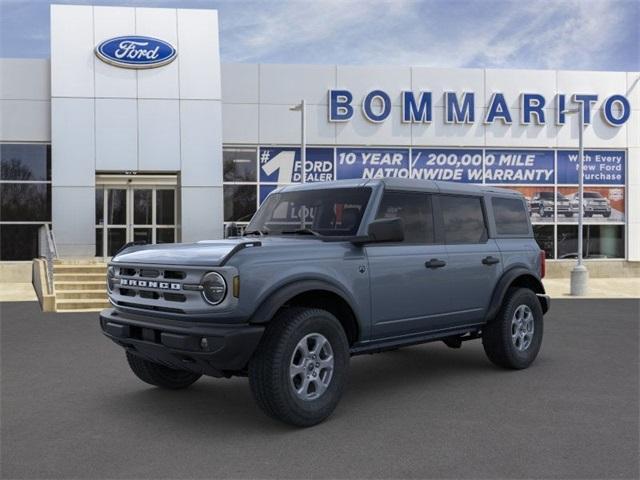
[{"x": 326, "y": 271}]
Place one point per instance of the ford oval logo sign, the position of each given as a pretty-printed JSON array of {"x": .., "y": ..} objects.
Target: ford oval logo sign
[{"x": 134, "y": 51}]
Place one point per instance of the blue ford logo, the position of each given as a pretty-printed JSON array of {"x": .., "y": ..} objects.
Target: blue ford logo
[{"x": 134, "y": 51}]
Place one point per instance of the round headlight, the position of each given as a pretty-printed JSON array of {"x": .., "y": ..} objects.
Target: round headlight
[
  {"x": 214, "y": 288},
  {"x": 111, "y": 273}
]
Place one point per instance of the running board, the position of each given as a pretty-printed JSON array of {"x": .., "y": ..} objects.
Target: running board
[{"x": 397, "y": 342}]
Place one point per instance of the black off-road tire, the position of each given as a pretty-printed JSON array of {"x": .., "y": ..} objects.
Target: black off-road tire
[
  {"x": 269, "y": 375},
  {"x": 159, "y": 375},
  {"x": 496, "y": 335}
]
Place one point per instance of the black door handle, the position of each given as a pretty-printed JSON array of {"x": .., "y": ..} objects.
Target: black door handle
[
  {"x": 490, "y": 260},
  {"x": 435, "y": 263}
]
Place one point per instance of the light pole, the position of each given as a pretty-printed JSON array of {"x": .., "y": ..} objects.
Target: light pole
[
  {"x": 579, "y": 273},
  {"x": 303, "y": 137}
]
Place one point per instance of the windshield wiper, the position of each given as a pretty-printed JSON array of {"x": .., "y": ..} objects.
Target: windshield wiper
[
  {"x": 301, "y": 231},
  {"x": 255, "y": 232}
]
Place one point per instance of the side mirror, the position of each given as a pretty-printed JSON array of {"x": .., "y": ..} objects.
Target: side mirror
[{"x": 385, "y": 230}]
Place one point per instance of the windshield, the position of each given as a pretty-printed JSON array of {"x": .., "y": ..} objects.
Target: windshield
[
  {"x": 592, "y": 195},
  {"x": 326, "y": 212}
]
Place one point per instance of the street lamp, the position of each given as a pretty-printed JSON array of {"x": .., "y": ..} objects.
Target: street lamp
[
  {"x": 303, "y": 136},
  {"x": 579, "y": 273}
]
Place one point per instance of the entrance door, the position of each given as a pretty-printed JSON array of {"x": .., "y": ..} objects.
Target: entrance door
[{"x": 134, "y": 213}]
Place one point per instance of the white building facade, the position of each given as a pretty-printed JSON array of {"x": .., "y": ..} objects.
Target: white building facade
[{"x": 107, "y": 154}]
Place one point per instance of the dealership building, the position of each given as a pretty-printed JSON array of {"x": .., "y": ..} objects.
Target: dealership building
[{"x": 134, "y": 131}]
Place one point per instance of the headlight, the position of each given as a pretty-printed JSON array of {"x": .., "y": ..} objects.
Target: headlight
[
  {"x": 111, "y": 273},
  {"x": 214, "y": 288}
]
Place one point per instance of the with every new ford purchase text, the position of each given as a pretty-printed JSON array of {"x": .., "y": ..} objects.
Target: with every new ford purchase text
[{"x": 326, "y": 271}]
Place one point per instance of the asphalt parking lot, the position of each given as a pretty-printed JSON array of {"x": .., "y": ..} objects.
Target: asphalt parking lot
[{"x": 71, "y": 409}]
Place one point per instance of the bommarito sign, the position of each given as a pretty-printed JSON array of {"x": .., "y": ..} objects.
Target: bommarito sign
[{"x": 460, "y": 108}]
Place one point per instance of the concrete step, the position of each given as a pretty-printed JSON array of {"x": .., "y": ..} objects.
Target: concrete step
[
  {"x": 80, "y": 269},
  {"x": 81, "y": 294},
  {"x": 87, "y": 304},
  {"x": 65, "y": 285},
  {"x": 79, "y": 277}
]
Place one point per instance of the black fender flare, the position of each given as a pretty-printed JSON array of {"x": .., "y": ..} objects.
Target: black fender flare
[
  {"x": 507, "y": 279},
  {"x": 280, "y": 295}
]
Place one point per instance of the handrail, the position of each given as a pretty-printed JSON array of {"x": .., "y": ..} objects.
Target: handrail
[{"x": 48, "y": 249}]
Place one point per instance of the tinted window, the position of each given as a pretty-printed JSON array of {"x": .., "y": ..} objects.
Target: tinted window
[
  {"x": 25, "y": 162},
  {"x": 511, "y": 216},
  {"x": 18, "y": 242},
  {"x": 415, "y": 211},
  {"x": 25, "y": 202},
  {"x": 239, "y": 202},
  {"x": 463, "y": 219},
  {"x": 239, "y": 164}
]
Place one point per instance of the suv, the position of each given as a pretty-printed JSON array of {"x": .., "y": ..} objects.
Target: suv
[
  {"x": 542, "y": 203},
  {"x": 594, "y": 204},
  {"x": 326, "y": 271}
]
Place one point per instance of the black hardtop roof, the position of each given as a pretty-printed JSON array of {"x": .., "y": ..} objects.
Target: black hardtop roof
[{"x": 405, "y": 184}]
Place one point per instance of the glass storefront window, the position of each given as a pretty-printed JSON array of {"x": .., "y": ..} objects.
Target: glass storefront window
[
  {"x": 99, "y": 206},
  {"x": 18, "y": 242},
  {"x": 25, "y": 162},
  {"x": 117, "y": 207},
  {"x": 545, "y": 238},
  {"x": 165, "y": 235},
  {"x": 142, "y": 206},
  {"x": 25, "y": 202},
  {"x": 239, "y": 164},
  {"x": 599, "y": 241},
  {"x": 165, "y": 207},
  {"x": 239, "y": 202}
]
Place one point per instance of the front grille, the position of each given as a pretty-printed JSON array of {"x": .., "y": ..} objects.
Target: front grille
[{"x": 156, "y": 288}]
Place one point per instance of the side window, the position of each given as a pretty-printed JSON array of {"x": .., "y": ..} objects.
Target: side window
[
  {"x": 511, "y": 216},
  {"x": 463, "y": 219},
  {"x": 416, "y": 212}
]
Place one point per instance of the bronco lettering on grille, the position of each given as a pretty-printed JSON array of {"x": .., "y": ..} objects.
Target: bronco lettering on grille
[{"x": 129, "y": 282}]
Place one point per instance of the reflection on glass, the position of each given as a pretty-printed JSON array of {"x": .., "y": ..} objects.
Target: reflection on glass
[
  {"x": 116, "y": 238},
  {"x": 165, "y": 207},
  {"x": 117, "y": 207},
  {"x": 99, "y": 206},
  {"x": 142, "y": 207},
  {"x": 99, "y": 242},
  {"x": 142, "y": 235},
  {"x": 239, "y": 164},
  {"x": 25, "y": 162},
  {"x": 25, "y": 202},
  {"x": 544, "y": 236},
  {"x": 599, "y": 241},
  {"x": 239, "y": 202},
  {"x": 18, "y": 242},
  {"x": 165, "y": 235}
]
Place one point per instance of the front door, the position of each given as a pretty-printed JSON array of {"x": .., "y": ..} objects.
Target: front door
[
  {"x": 134, "y": 213},
  {"x": 408, "y": 289}
]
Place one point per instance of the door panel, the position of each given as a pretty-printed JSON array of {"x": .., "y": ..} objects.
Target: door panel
[
  {"x": 472, "y": 280},
  {"x": 406, "y": 296}
]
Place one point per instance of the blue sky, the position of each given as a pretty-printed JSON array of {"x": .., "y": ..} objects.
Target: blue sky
[{"x": 558, "y": 34}]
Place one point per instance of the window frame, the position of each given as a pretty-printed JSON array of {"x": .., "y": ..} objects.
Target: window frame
[{"x": 483, "y": 209}]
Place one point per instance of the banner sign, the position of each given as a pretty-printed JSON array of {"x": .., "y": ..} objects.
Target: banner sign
[
  {"x": 518, "y": 166},
  {"x": 283, "y": 165},
  {"x": 446, "y": 165},
  {"x": 600, "y": 167},
  {"x": 372, "y": 163}
]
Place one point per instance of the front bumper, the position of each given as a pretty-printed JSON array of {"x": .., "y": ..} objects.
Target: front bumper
[{"x": 181, "y": 345}]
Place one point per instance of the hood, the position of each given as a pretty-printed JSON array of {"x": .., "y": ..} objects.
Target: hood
[{"x": 208, "y": 253}]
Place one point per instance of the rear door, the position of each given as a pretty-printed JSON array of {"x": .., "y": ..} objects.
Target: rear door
[
  {"x": 408, "y": 288},
  {"x": 475, "y": 263}
]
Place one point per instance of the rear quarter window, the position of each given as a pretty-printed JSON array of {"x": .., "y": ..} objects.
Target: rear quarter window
[{"x": 511, "y": 216}]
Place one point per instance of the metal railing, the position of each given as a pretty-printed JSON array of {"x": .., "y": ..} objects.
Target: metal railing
[{"x": 48, "y": 250}]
